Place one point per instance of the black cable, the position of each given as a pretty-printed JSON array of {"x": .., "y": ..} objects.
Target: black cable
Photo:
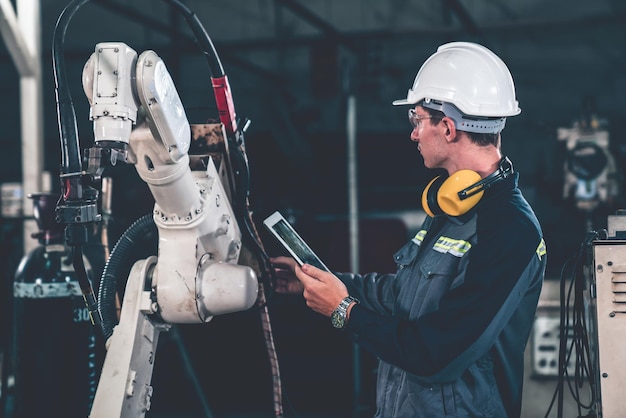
[
  {"x": 583, "y": 367},
  {"x": 579, "y": 346},
  {"x": 201, "y": 37},
  {"x": 238, "y": 160},
  {"x": 557, "y": 391},
  {"x": 86, "y": 286},
  {"x": 68, "y": 130}
]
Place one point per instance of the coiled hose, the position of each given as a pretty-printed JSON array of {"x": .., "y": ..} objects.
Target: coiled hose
[{"x": 120, "y": 262}]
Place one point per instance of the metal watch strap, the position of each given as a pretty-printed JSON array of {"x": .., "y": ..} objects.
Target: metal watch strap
[{"x": 346, "y": 302}]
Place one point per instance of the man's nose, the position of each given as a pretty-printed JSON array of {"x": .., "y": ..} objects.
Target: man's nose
[{"x": 415, "y": 134}]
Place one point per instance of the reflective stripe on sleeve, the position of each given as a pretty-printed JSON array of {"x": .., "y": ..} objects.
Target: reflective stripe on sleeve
[
  {"x": 541, "y": 249},
  {"x": 419, "y": 237}
]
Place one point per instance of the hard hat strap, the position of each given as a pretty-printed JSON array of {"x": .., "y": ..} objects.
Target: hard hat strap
[{"x": 465, "y": 122}]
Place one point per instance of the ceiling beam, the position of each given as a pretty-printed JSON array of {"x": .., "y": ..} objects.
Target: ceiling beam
[{"x": 326, "y": 28}]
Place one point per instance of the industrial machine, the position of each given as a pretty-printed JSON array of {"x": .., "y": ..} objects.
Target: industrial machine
[
  {"x": 607, "y": 309},
  {"x": 210, "y": 259},
  {"x": 591, "y": 179},
  {"x": 592, "y": 323}
]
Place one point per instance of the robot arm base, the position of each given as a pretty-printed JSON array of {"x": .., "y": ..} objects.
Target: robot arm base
[{"x": 124, "y": 389}]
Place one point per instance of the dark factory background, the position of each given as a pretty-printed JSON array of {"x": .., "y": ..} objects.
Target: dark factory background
[{"x": 294, "y": 67}]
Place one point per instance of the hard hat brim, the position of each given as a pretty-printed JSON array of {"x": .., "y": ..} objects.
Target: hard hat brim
[{"x": 401, "y": 102}]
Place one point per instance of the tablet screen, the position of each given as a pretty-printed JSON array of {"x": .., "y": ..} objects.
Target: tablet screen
[{"x": 296, "y": 246}]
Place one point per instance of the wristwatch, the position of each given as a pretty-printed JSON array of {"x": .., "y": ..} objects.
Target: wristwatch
[{"x": 338, "y": 317}]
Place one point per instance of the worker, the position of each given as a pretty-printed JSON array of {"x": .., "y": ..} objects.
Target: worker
[{"x": 450, "y": 326}]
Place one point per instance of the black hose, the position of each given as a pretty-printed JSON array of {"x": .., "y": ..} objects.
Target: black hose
[
  {"x": 118, "y": 265},
  {"x": 68, "y": 130}
]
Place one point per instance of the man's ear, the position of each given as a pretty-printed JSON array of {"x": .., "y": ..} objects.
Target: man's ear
[{"x": 449, "y": 128}]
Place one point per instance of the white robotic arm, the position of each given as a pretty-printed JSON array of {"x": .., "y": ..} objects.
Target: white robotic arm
[{"x": 196, "y": 275}]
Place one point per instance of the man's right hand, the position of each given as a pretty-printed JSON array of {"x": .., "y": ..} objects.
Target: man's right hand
[{"x": 286, "y": 280}]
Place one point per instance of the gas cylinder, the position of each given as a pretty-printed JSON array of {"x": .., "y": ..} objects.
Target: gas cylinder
[{"x": 54, "y": 348}]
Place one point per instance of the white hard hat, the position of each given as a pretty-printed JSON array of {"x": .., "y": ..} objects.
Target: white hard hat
[{"x": 470, "y": 77}]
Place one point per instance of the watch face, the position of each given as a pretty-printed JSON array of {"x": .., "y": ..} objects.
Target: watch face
[{"x": 337, "y": 319}]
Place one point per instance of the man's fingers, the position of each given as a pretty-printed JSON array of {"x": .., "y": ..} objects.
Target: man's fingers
[{"x": 283, "y": 262}]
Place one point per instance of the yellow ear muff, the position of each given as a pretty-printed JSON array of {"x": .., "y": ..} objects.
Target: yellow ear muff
[
  {"x": 429, "y": 197},
  {"x": 441, "y": 195}
]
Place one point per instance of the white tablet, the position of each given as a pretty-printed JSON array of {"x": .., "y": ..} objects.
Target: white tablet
[{"x": 284, "y": 232}]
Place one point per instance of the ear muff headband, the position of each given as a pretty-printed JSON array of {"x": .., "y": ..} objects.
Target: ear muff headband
[
  {"x": 460, "y": 192},
  {"x": 504, "y": 170}
]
